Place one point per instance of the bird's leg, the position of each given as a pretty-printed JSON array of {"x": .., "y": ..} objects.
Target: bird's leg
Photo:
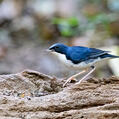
[
  {"x": 93, "y": 68},
  {"x": 73, "y": 77}
]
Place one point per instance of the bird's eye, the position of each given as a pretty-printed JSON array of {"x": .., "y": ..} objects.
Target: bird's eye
[{"x": 56, "y": 47}]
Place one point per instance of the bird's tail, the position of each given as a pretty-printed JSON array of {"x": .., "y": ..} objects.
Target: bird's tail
[{"x": 109, "y": 56}]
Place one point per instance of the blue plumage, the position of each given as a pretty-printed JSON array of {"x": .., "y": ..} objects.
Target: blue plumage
[{"x": 78, "y": 54}]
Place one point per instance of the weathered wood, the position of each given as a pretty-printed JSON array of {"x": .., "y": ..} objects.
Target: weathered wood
[{"x": 32, "y": 95}]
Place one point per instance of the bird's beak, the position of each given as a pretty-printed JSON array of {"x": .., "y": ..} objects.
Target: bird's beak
[{"x": 49, "y": 50}]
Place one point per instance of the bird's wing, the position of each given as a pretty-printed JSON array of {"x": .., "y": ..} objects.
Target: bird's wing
[
  {"x": 94, "y": 53},
  {"x": 79, "y": 54}
]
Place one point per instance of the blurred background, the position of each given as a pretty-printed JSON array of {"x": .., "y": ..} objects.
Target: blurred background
[{"x": 29, "y": 27}]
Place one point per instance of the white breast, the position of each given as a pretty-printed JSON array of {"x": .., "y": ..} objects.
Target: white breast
[{"x": 81, "y": 65}]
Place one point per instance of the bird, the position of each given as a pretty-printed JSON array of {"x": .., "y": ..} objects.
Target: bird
[{"x": 79, "y": 57}]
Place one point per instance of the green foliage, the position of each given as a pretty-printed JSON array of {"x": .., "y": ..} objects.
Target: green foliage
[
  {"x": 100, "y": 19},
  {"x": 70, "y": 26},
  {"x": 66, "y": 25}
]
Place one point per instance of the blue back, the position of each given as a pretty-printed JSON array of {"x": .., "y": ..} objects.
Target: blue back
[{"x": 78, "y": 54}]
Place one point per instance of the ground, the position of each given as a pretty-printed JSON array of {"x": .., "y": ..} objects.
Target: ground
[{"x": 32, "y": 95}]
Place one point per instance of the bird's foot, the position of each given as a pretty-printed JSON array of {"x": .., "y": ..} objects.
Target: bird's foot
[
  {"x": 90, "y": 72},
  {"x": 71, "y": 79}
]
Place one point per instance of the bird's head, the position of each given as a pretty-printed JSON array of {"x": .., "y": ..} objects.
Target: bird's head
[{"x": 59, "y": 48}]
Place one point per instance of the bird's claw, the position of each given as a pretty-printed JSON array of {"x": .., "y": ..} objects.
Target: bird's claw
[{"x": 71, "y": 79}]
